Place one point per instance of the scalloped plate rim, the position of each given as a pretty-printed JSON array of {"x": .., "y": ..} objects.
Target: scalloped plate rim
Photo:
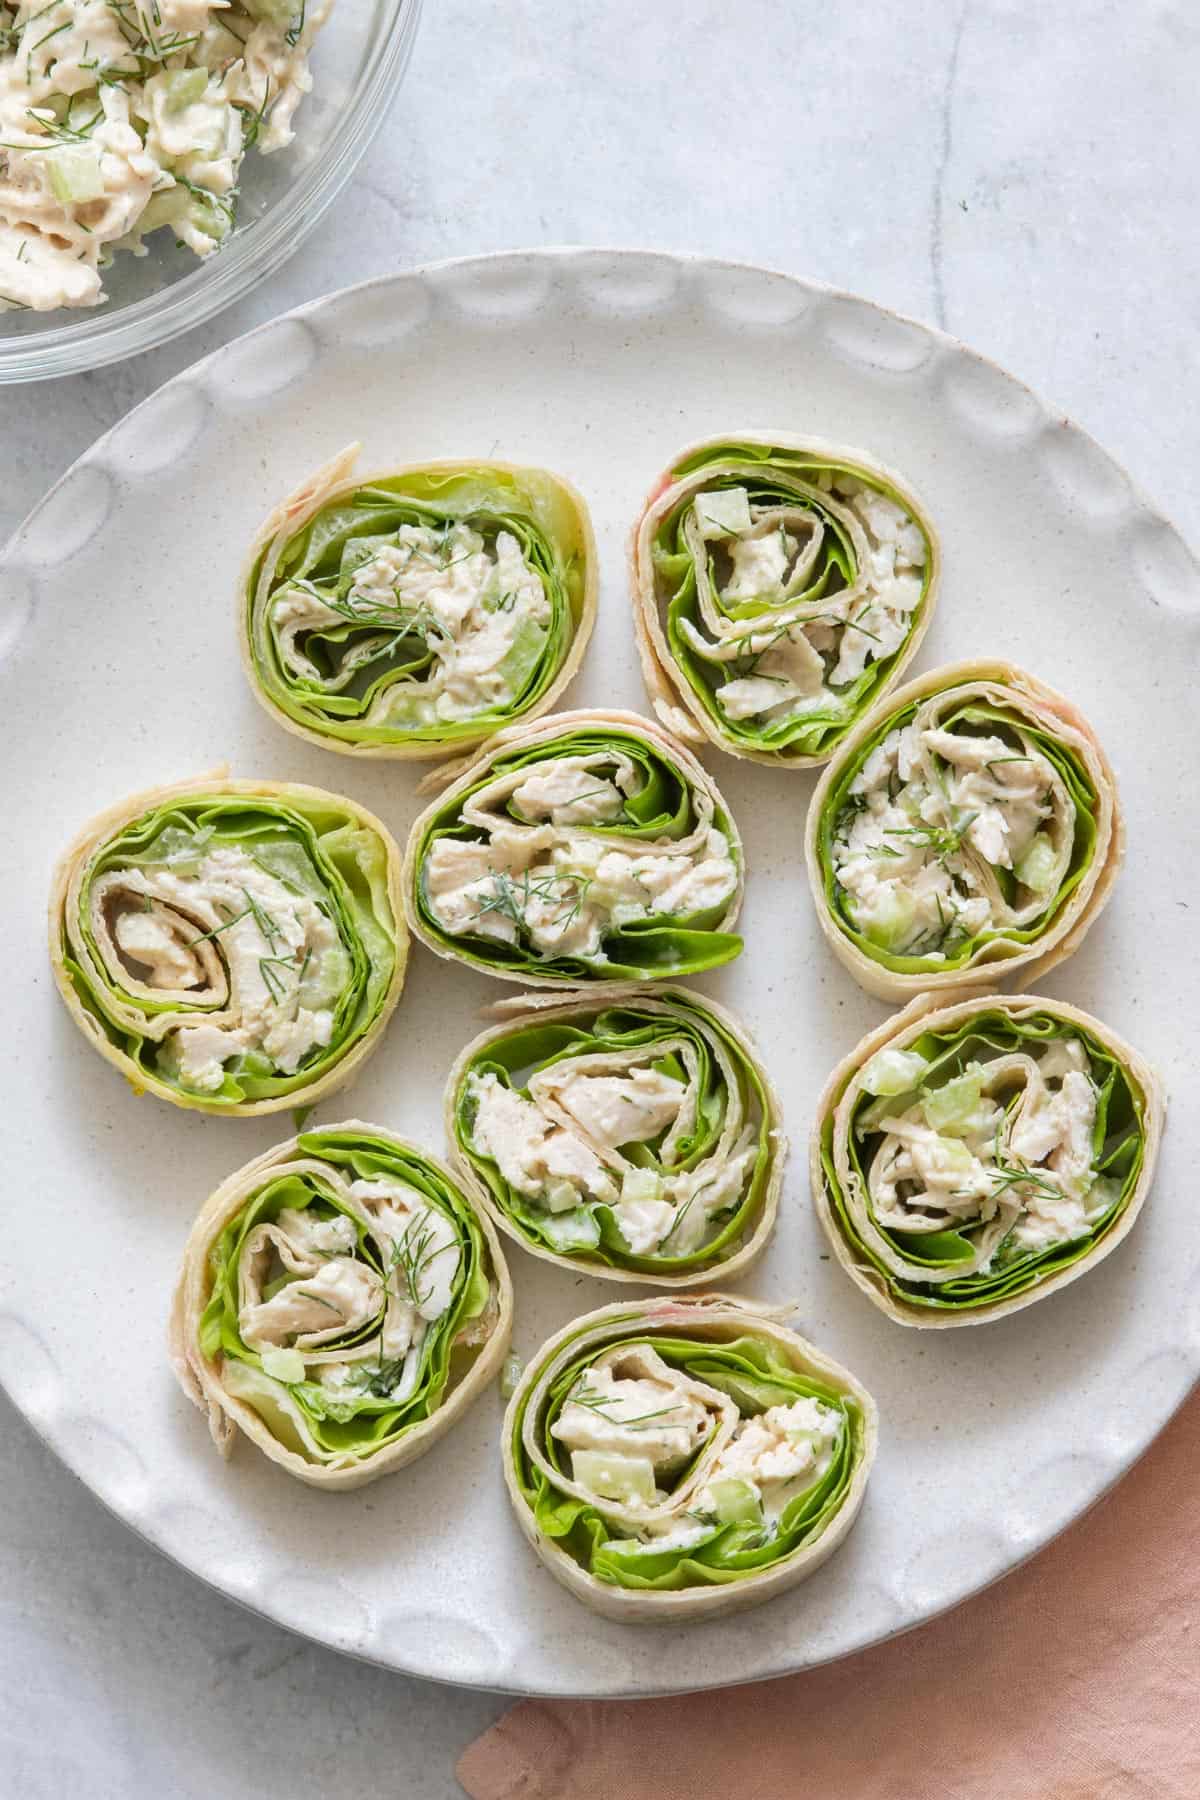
[{"x": 562, "y": 257}]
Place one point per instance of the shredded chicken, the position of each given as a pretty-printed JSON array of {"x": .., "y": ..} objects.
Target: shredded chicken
[
  {"x": 472, "y": 619},
  {"x": 555, "y": 885},
  {"x": 784, "y": 639},
  {"x": 1002, "y": 1154},
  {"x": 951, "y": 831}
]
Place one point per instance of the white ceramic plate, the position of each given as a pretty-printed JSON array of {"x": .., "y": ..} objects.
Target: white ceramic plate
[{"x": 119, "y": 591}]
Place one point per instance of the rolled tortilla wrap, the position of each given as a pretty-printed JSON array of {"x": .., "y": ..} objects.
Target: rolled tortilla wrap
[
  {"x": 417, "y": 612},
  {"x": 976, "y": 1153},
  {"x": 781, "y": 586},
  {"x": 590, "y": 847},
  {"x": 231, "y": 946},
  {"x": 341, "y": 1303},
  {"x": 968, "y": 830},
  {"x": 635, "y": 1136},
  {"x": 670, "y": 1459}
]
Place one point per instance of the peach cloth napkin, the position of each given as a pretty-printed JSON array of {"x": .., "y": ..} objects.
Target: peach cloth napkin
[{"x": 1074, "y": 1679}]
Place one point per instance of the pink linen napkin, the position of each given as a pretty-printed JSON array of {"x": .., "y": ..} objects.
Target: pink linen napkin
[{"x": 1074, "y": 1679}]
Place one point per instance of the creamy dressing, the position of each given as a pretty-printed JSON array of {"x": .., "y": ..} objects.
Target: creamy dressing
[
  {"x": 629, "y": 1437},
  {"x": 303, "y": 1285},
  {"x": 778, "y": 1454},
  {"x": 560, "y": 1146},
  {"x": 633, "y": 1416},
  {"x": 1004, "y": 1157},
  {"x": 225, "y": 935},
  {"x": 119, "y": 119},
  {"x": 557, "y": 887},
  {"x": 949, "y": 834},
  {"x": 481, "y": 613},
  {"x": 791, "y": 656}
]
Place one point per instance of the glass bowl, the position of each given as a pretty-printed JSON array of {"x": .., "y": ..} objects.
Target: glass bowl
[{"x": 358, "y": 62}]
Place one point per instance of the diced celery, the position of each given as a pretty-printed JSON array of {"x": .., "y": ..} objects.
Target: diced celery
[
  {"x": 1037, "y": 867},
  {"x": 523, "y": 655},
  {"x": 560, "y": 1197},
  {"x": 326, "y": 976},
  {"x": 614, "y": 1477},
  {"x": 954, "y": 1156},
  {"x": 510, "y": 1374},
  {"x": 182, "y": 87},
  {"x": 893, "y": 1071},
  {"x": 283, "y": 1365},
  {"x": 735, "y": 1502},
  {"x": 75, "y": 174},
  {"x": 723, "y": 512},
  {"x": 641, "y": 1185},
  {"x": 952, "y": 1107},
  {"x": 209, "y": 215},
  {"x": 871, "y": 1117},
  {"x": 891, "y": 920},
  {"x": 575, "y": 1230}
]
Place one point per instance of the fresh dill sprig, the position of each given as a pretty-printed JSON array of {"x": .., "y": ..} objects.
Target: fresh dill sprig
[
  {"x": 1007, "y": 1175},
  {"x": 511, "y": 899},
  {"x": 944, "y": 840},
  {"x": 218, "y": 929},
  {"x": 997, "y": 760},
  {"x": 307, "y": 1294},
  {"x": 596, "y": 1401},
  {"x": 680, "y": 1216},
  {"x": 413, "y": 1252},
  {"x": 268, "y": 926}
]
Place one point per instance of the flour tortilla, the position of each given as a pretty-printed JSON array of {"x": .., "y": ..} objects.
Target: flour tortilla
[
  {"x": 671, "y": 695},
  {"x": 201, "y": 1377},
  {"x": 525, "y": 737},
  {"x": 1003, "y": 684},
  {"x": 331, "y": 483},
  {"x": 721, "y": 1318},
  {"x": 944, "y": 1013},
  {"x": 523, "y": 1009},
  {"x": 68, "y": 878}
]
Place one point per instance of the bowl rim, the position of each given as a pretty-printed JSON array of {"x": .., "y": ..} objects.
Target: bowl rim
[{"x": 101, "y": 337}]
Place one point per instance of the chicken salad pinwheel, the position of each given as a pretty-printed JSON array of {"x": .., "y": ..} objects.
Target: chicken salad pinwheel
[
  {"x": 417, "y": 612},
  {"x": 588, "y": 847},
  {"x": 976, "y": 1154},
  {"x": 341, "y": 1303},
  {"x": 969, "y": 830},
  {"x": 231, "y": 946},
  {"x": 635, "y": 1136},
  {"x": 674, "y": 1458},
  {"x": 780, "y": 585}
]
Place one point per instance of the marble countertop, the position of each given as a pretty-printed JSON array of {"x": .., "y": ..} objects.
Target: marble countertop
[{"x": 1022, "y": 176}]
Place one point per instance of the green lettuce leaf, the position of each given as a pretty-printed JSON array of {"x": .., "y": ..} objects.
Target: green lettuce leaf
[
  {"x": 303, "y": 1415},
  {"x": 756, "y": 1377},
  {"x": 324, "y": 554},
  {"x": 772, "y": 476},
  {"x": 1119, "y": 1148},
  {"x": 315, "y": 845}
]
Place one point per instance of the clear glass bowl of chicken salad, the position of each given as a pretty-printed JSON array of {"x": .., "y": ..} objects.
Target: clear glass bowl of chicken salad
[{"x": 160, "y": 157}]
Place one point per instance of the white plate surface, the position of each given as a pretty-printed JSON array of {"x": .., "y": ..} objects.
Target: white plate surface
[{"x": 120, "y": 669}]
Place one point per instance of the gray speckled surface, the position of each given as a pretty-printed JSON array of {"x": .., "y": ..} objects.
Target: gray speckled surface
[{"x": 1020, "y": 176}]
